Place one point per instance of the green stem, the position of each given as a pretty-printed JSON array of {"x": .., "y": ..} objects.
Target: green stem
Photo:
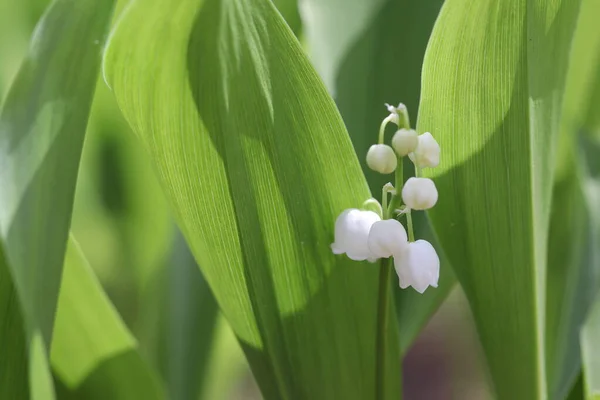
[
  {"x": 384, "y": 201},
  {"x": 394, "y": 203},
  {"x": 384, "y": 289},
  {"x": 411, "y": 232},
  {"x": 382, "y": 326},
  {"x": 399, "y": 177},
  {"x": 384, "y": 123},
  {"x": 404, "y": 118},
  {"x": 383, "y": 301}
]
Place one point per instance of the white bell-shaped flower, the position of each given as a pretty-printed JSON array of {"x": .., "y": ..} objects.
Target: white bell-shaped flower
[
  {"x": 427, "y": 153},
  {"x": 352, "y": 232},
  {"x": 387, "y": 238},
  {"x": 418, "y": 266},
  {"x": 405, "y": 141},
  {"x": 419, "y": 193},
  {"x": 381, "y": 158}
]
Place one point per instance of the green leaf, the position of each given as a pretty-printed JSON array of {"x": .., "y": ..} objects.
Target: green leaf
[
  {"x": 189, "y": 320},
  {"x": 93, "y": 354},
  {"x": 226, "y": 364},
  {"x": 121, "y": 219},
  {"x": 590, "y": 351},
  {"x": 371, "y": 53},
  {"x": 590, "y": 345},
  {"x": 13, "y": 366},
  {"x": 581, "y": 112},
  {"x": 493, "y": 80},
  {"x": 256, "y": 164},
  {"x": 42, "y": 126},
  {"x": 570, "y": 283},
  {"x": 572, "y": 259},
  {"x": 289, "y": 12}
]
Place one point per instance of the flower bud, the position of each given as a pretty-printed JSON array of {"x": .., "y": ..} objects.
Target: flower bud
[
  {"x": 393, "y": 117},
  {"x": 405, "y": 141},
  {"x": 381, "y": 158},
  {"x": 427, "y": 153},
  {"x": 418, "y": 266},
  {"x": 352, "y": 232},
  {"x": 419, "y": 193},
  {"x": 387, "y": 238}
]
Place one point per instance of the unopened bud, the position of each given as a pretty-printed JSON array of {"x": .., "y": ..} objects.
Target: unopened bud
[
  {"x": 381, "y": 158},
  {"x": 405, "y": 141},
  {"x": 419, "y": 193}
]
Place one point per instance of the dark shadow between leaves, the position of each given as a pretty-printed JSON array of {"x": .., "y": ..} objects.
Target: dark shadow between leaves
[{"x": 388, "y": 57}]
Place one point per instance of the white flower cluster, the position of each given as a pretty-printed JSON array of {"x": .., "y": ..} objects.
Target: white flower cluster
[{"x": 365, "y": 235}]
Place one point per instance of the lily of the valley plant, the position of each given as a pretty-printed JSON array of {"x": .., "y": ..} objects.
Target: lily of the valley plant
[{"x": 363, "y": 234}]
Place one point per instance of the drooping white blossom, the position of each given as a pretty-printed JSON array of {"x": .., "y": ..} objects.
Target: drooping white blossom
[
  {"x": 419, "y": 193},
  {"x": 387, "y": 238},
  {"x": 352, "y": 232},
  {"x": 405, "y": 141},
  {"x": 418, "y": 266},
  {"x": 381, "y": 158},
  {"x": 427, "y": 153}
]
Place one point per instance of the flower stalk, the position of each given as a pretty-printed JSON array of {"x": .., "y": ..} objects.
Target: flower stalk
[
  {"x": 373, "y": 232},
  {"x": 383, "y": 302}
]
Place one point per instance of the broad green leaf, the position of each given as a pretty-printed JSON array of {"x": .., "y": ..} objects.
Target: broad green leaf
[
  {"x": 121, "y": 219},
  {"x": 17, "y": 20},
  {"x": 256, "y": 164},
  {"x": 13, "y": 350},
  {"x": 189, "y": 320},
  {"x": 581, "y": 112},
  {"x": 41, "y": 133},
  {"x": 493, "y": 80},
  {"x": 572, "y": 258},
  {"x": 590, "y": 333},
  {"x": 289, "y": 11},
  {"x": 590, "y": 352},
  {"x": 569, "y": 284},
  {"x": 570, "y": 279},
  {"x": 371, "y": 53},
  {"x": 226, "y": 364},
  {"x": 93, "y": 354}
]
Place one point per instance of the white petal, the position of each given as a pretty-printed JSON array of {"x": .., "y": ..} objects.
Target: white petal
[
  {"x": 419, "y": 193},
  {"x": 352, "y": 232},
  {"x": 387, "y": 238},
  {"x": 418, "y": 266},
  {"x": 427, "y": 153},
  {"x": 405, "y": 141},
  {"x": 381, "y": 158}
]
